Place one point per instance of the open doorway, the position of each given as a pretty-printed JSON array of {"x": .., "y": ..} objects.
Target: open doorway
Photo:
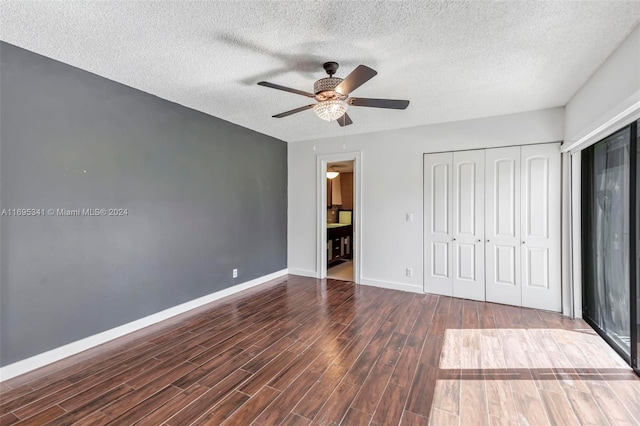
[
  {"x": 338, "y": 219},
  {"x": 339, "y": 234}
]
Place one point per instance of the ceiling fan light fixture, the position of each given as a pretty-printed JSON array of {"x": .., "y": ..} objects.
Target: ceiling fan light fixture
[
  {"x": 332, "y": 175},
  {"x": 326, "y": 84},
  {"x": 332, "y": 95},
  {"x": 330, "y": 110}
]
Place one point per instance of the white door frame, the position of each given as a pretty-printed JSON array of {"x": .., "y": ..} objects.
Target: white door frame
[
  {"x": 576, "y": 232},
  {"x": 356, "y": 219}
]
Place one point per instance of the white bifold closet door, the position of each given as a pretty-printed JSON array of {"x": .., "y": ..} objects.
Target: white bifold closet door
[
  {"x": 502, "y": 225},
  {"x": 437, "y": 223},
  {"x": 492, "y": 225},
  {"x": 522, "y": 226},
  {"x": 454, "y": 216},
  {"x": 540, "y": 200},
  {"x": 468, "y": 225}
]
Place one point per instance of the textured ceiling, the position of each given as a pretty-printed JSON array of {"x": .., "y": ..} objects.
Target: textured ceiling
[{"x": 453, "y": 60}]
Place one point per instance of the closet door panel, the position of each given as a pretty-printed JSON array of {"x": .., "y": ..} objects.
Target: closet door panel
[
  {"x": 540, "y": 226},
  {"x": 437, "y": 223},
  {"x": 502, "y": 225},
  {"x": 468, "y": 225}
]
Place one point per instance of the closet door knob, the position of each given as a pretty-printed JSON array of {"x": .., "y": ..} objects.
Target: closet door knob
[
  {"x": 487, "y": 240},
  {"x": 454, "y": 239},
  {"x": 479, "y": 241}
]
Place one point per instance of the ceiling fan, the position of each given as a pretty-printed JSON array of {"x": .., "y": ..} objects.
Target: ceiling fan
[{"x": 332, "y": 95}]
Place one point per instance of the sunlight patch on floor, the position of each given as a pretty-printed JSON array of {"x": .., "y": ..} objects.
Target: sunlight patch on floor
[
  {"x": 526, "y": 348},
  {"x": 532, "y": 376},
  {"x": 535, "y": 402}
]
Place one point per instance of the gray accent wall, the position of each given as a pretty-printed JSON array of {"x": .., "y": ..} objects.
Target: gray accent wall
[{"x": 203, "y": 196}]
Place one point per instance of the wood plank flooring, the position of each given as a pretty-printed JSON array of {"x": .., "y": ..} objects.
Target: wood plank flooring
[{"x": 301, "y": 351}]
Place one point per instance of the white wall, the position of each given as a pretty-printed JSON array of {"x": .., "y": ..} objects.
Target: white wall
[
  {"x": 613, "y": 89},
  {"x": 608, "y": 101},
  {"x": 392, "y": 187}
]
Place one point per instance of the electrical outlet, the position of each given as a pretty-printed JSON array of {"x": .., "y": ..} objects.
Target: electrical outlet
[
  {"x": 235, "y": 273},
  {"x": 409, "y": 217},
  {"x": 409, "y": 272}
]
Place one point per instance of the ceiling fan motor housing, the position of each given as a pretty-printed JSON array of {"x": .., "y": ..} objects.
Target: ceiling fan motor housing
[{"x": 323, "y": 89}]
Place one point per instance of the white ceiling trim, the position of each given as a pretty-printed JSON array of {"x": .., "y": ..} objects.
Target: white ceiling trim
[{"x": 607, "y": 128}]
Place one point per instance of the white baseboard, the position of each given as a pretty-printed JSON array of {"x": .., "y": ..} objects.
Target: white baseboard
[
  {"x": 391, "y": 285},
  {"x": 303, "y": 273},
  {"x": 53, "y": 355}
]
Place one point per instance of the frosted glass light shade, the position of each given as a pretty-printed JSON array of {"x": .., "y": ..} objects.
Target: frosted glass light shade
[{"x": 332, "y": 175}]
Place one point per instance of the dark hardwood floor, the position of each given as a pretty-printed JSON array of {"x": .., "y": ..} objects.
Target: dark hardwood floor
[{"x": 302, "y": 351}]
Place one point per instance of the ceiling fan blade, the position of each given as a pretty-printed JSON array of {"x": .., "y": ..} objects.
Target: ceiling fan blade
[
  {"x": 379, "y": 103},
  {"x": 345, "y": 120},
  {"x": 357, "y": 78},
  {"x": 293, "y": 111},
  {"x": 286, "y": 89}
]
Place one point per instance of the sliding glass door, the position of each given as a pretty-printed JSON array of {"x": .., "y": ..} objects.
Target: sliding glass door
[{"x": 609, "y": 221}]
